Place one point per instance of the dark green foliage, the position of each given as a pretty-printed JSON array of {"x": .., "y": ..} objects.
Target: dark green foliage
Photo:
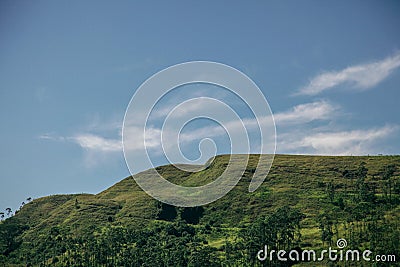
[
  {"x": 280, "y": 230},
  {"x": 330, "y": 188},
  {"x": 10, "y": 231},
  {"x": 166, "y": 212},
  {"x": 306, "y": 202},
  {"x": 326, "y": 222},
  {"x": 192, "y": 215}
]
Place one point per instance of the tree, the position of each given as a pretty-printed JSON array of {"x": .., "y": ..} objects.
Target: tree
[
  {"x": 9, "y": 211},
  {"x": 364, "y": 191},
  {"x": 203, "y": 256},
  {"x": 77, "y": 204},
  {"x": 362, "y": 171},
  {"x": 388, "y": 173},
  {"x": 9, "y": 231},
  {"x": 280, "y": 230},
  {"x": 326, "y": 222},
  {"x": 286, "y": 222},
  {"x": 330, "y": 188}
]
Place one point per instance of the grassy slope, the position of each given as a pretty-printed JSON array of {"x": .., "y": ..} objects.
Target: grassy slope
[{"x": 293, "y": 180}]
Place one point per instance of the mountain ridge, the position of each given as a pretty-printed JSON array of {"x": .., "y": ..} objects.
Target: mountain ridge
[{"x": 297, "y": 181}]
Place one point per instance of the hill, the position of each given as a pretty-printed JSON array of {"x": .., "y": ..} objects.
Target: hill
[{"x": 305, "y": 202}]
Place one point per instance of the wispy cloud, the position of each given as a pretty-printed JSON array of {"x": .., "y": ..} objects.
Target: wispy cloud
[
  {"x": 52, "y": 137},
  {"x": 97, "y": 149},
  {"x": 361, "y": 76},
  {"x": 182, "y": 110},
  {"x": 295, "y": 135},
  {"x": 88, "y": 141},
  {"x": 304, "y": 113},
  {"x": 299, "y": 114},
  {"x": 354, "y": 142},
  {"x": 97, "y": 143}
]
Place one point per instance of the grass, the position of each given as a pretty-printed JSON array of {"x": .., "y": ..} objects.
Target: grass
[{"x": 297, "y": 181}]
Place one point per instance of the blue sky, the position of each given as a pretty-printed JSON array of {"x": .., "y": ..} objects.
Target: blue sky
[{"x": 330, "y": 71}]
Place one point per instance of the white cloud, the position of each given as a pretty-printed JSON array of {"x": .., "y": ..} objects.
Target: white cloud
[
  {"x": 97, "y": 149},
  {"x": 97, "y": 143},
  {"x": 299, "y": 114},
  {"x": 306, "y": 112},
  {"x": 52, "y": 137},
  {"x": 93, "y": 142},
  {"x": 354, "y": 142},
  {"x": 361, "y": 76},
  {"x": 296, "y": 137},
  {"x": 153, "y": 138}
]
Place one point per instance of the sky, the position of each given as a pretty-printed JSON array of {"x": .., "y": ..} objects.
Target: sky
[{"x": 68, "y": 69}]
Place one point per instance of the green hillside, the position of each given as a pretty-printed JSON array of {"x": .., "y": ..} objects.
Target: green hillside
[{"x": 305, "y": 202}]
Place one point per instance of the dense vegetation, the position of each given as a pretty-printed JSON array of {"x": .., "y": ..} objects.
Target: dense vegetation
[{"x": 306, "y": 202}]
